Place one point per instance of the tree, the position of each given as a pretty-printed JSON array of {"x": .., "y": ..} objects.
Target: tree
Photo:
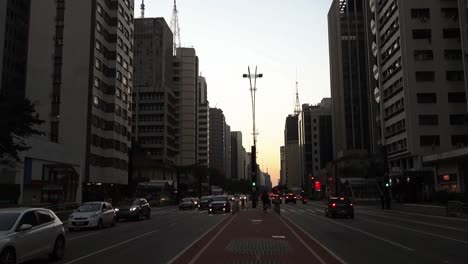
[{"x": 18, "y": 118}]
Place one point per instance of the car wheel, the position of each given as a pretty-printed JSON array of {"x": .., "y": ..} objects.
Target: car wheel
[
  {"x": 8, "y": 256},
  {"x": 99, "y": 225},
  {"x": 148, "y": 216},
  {"x": 59, "y": 249},
  {"x": 114, "y": 221},
  {"x": 140, "y": 216}
]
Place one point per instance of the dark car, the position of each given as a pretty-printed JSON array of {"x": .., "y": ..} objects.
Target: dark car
[
  {"x": 290, "y": 197},
  {"x": 219, "y": 203},
  {"x": 277, "y": 199},
  {"x": 339, "y": 206},
  {"x": 187, "y": 203},
  {"x": 204, "y": 203},
  {"x": 133, "y": 209}
]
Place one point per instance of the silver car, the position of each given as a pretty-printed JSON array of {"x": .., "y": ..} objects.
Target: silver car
[
  {"x": 29, "y": 233},
  {"x": 92, "y": 215}
]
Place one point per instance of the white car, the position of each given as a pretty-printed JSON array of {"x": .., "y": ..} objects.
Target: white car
[
  {"x": 29, "y": 233},
  {"x": 92, "y": 215}
]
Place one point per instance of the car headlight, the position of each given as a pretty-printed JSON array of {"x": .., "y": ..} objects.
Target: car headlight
[
  {"x": 133, "y": 208},
  {"x": 196, "y": 202},
  {"x": 70, "y": 216},
  {"x": 224, "y": 204},
  {"x": 116, "y": 209}
]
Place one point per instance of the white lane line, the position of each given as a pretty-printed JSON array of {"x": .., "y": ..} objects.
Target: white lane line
[
  {"x": 83, "y": 236},
  {"x": 364, "y": 232},
  {"x": 194, "y": 242},
  {"x": 310, "y": 210},
  {"x": 316, "y": 241},
  {"x": 282, "y": 210},
  {"x": 292, "y": 210},
  {"x": 211, "y": 241},
  {"x": 418, "y": 222},
  {"x": 304, "y": 243},
  {"x": 394, "y": 212},
  {"x": 320, "y": 211},
  {"x": 416, "y": 231},
  {"x": 113, "y": 246}
]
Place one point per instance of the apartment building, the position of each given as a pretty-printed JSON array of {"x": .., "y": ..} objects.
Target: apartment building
[{"x": 203, "y": 126}]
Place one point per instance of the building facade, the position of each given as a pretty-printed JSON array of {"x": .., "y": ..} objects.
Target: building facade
[
  {"x": 203, "y": 126},
  {"x": 227, "y": 151},
  {"x": 154, "y": 119},
  {"x": 349, "y": 76},
  {"x": 282, "y": 179},
  {"x": 216, "y": 140},
  {"x": 315, "y": 141},
  {"x": 421, "y": 52},
  {"x": 292, "y": 153},
  {"x": 186, "y": 82},
  {"x": 237, "y": 156}
]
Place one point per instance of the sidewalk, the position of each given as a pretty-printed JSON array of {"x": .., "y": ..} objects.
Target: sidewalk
[{"x": 251, "y": 236}]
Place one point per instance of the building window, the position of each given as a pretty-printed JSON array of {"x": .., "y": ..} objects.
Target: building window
[
  {"x": 425, "y": 76},
  {"x": 315, "y": 151},
  {"x": 458, "y": 119},
  {"x": 460, "y": 140},
  {"x": 423, "y": 55},
  {"x": 97, "y": 83},
  {"x": 119, "y": 59},
  {"x": 96, "y": 101},
  {"x": 125, "y": 81},
  {"x": 426, "y": 141},
  {"x": 121, "y": 10},
  {"x": 119, "y": 42},
  {"x": 97, "y": 64},
  {"x": 98, "y": 45},
  {"x": 125, "y": 65},
  {"x": 454, "y": 76},
  {"x": 124, "y": 97},
  {"x": 119, "y": 76},
  {"x": 98, "y": 27},
  {"x": 422, "y": 34},
  {"x": 451, "y": 33},
  {"x": 426, "y": 98},
  {"x": 453, "y": 54},
  {"x": 118, "y": 92},
  {"x": 423, "y": 14},
  {"x": 428, "y": 120},
  {"x": 99, "y": 9},
  {"x": 120, "y": 26},
  {"x": 458, "y": 97},
  {"x": 125, "y": 49},
  {"x": 450, "y": 13},
  {"x": 118, "y": 110}
]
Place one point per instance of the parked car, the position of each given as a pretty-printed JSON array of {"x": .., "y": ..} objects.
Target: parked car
[
  {"x": 92, "y": 215},
  {"x": 133, "y": 209},
  {"x": 219, "y": 203},
  {"x": 186, "y": 203},
  {"x": 339, "y": 206},
  {"x": 204, "y": 203},
  {"x": 30, "y": 233}
]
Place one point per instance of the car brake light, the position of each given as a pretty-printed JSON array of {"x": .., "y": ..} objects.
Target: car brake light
[
  {"x": 333, "y": 204},
  {"x": 350, "y": 204}
]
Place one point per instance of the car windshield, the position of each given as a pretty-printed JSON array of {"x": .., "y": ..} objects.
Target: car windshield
[
  {"x": 136, "y": 202},
  {"x": 219, "y": 199},
  {"x": 89, "y": 208},
  {"x": 7, "y": 220},
  {"x": 205, "y": 198}
]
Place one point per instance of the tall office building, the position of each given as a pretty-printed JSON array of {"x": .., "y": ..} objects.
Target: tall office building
[
  {"x": 237, "y": 156},
  {"x": 203, "y": 126},
  {"x": 282, "y": 178},
  {"x": 216, "y": 140},
  {"x": 227, "y": 151},
  {"x": 421, "y": 53},
  {"x": 349, "y": 76},
  {"x": 315, "y": 141},
  {"x": 292, "y": 153},
  {"x": 186, "y": 82},
  {"x": 154, "y": 119},
  {"x": 80, "y": 70}
]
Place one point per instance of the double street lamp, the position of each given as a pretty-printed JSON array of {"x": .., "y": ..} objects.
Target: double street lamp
[{"x": 253, "y": 89}]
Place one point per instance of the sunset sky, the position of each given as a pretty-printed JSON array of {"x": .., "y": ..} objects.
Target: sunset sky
[{"x": 276, "y": 35}]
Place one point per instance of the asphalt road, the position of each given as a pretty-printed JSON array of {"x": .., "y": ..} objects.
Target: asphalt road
[
  {"x": 156, "y": 240},
  {"x": 375, "y": 236}
]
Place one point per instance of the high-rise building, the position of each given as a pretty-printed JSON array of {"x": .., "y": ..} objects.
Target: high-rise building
[
  {"x": 282, "y": 178},
  {"x": 421, "y": 52},
  {"x": 186, "y": 82},
  {"x": 80, "y": 68},
  {"x": 248, "y": 168},
  {"x": 203, "y": 127},
  {"x": 349, "y": 76},
  {"x": 227, "y": 151},
  {"x": 315, "y": 141},
  {"x": 216, "y": 140},
  {"x": 237, "y": 156},
  {"x": 292, "y": 153},
  {"x": 154, "y": 119}
]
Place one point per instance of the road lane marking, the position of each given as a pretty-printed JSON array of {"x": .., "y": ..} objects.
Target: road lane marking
[
  {"x": 195, "y": 241},
  {"x": 364, "y": 232},
  {"x": 393, "y": 212},
  {"x": 211, "y": 241},
  {"x": 113, "y": 246},
  {"x": 282, "y": 210},
  {"x": 418, "y": 222},
  {"x": 318, "y": 242},
  {"x": 83, "y": 236},
  {"x": 417, "y": 231},
  {"x": 303, "y": 242}
]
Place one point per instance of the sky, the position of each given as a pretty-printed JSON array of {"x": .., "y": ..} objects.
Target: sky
[{"x": 283, "y": 38}]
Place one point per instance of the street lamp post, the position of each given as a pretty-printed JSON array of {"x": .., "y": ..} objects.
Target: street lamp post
[{"x": 253, "y": 89}]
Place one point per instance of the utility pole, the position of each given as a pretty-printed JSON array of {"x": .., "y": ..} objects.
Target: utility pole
[{"x": 253, "y": 89}]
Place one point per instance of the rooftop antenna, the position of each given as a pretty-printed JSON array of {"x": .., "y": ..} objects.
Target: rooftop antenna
[
  {"x": 142, "y": 6},
  {"x": 175, "y": 28},
  {"x": 297, "y": 107}
]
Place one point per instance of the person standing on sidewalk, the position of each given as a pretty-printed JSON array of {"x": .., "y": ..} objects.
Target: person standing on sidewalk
[{"x": 266, "y": 201}]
